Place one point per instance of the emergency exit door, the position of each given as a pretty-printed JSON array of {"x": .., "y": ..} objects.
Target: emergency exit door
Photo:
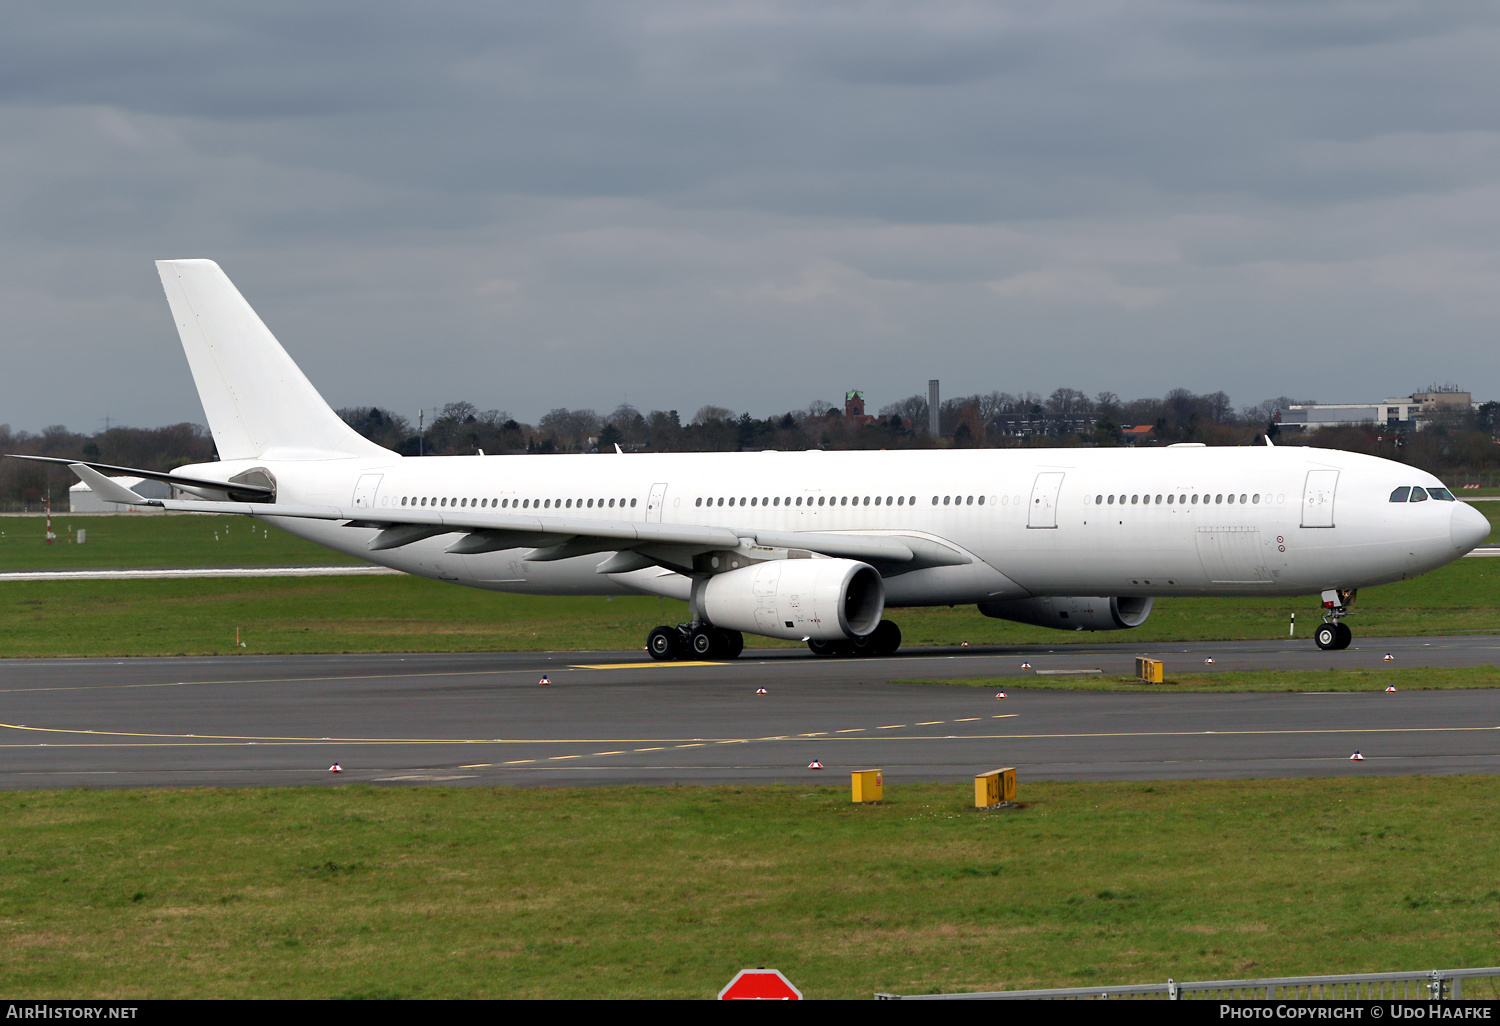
[{"x": 1043, "y": 510}]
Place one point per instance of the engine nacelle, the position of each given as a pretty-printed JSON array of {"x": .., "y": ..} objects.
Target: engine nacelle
[
  {"x": 821, "y": 599},
  {"x": 1073, "y": 612}
]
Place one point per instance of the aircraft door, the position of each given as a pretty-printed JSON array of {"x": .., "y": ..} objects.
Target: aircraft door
[
  {"x": 1317, "y": 498},
  {"x": 364, "y": 491},
  {"x": 1043, "y": 511},
  {"x": 654, "y": 504}
]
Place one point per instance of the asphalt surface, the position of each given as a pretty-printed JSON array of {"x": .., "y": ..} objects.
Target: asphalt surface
[{"x": 615, "y": 718}]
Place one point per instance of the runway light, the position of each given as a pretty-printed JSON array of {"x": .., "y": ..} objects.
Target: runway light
[
  {"x": 1389, "y": 658},
  {"x": 1000, "y": 694},
  {"x": 1209, "y": 661},
  {"x": 545, "y": 680},
  {"x": 963, "y": 644},
  {"x": 1025, "y": 666},
  {"x": 1356, "y": 757},
  {"x": 1391, "y": 689},
  {"x": 335, "y": 768},
  {"x": 815, "y": 764},
  {"x": 760, "y": 691}
]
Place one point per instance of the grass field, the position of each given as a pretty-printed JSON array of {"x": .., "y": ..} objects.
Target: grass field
[
  {"x": 1412, "y": 678},
  {"x": 666, "y": 892},
  {"x": 406, "y": 614}
]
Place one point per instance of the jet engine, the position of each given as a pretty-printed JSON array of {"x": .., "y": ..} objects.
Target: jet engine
[
  {"x": 1073, "y": 612},
  {"x": 818, "y": 599}
]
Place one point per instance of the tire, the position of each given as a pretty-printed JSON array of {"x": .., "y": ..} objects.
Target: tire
[
  {"x": 734, "y": 644},
  {"x": 661, "y": 644},
  {"x": 702, "y": 644},
  {"x": 1327, "y": 637},
  {"x": 887, "y": 638},
  {"x": 822, "y": 648},
  {"x": 1345, "y": 635}
]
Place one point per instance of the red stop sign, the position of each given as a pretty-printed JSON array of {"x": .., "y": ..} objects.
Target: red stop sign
[{"x": 760, "y": 985}]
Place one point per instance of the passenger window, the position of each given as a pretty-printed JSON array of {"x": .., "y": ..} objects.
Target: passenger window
[
  {"x": 632, "y": 504},
  {"x": 969, "y": 500},
  {"x": 1111, "y": 500},
  {"x": 1158, "y": 500},
  {"x": 866, "y": 502},
  {"x": 981, "y": 500},
  {"x": 1418, "y": 495},
  {"x": 1135, "y": 500},
  {"x": 1255, "y": 497},
  {"x": 912, "y": 500},
  {"x": 1219, "y": 498},
  {"x": 1231, "y": 498}
]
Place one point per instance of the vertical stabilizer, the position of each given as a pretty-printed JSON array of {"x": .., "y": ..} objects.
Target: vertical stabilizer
[{"x": 256, "y": 399}]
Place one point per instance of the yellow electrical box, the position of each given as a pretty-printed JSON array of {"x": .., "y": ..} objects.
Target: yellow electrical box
[
  {"x": 868, "y": 785},
  {"x": 1148, "y": 670},
  {"x": 994, "y": 787}
]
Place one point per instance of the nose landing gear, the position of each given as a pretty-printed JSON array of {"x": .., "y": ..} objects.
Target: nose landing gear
[{"x": 1332, "y": 635}]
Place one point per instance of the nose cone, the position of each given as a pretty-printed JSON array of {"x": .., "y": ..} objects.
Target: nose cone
[{"x": 1468, "y": 527}]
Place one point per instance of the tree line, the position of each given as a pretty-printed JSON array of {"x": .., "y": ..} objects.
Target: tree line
[{"x": 1454, "y": 444}]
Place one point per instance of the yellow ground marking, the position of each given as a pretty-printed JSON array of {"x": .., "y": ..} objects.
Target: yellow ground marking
[
  {"x": 851, "y": 730},
  {"x": 821, "y": 733},
  {"x": 969, "y": 719},
  {"x": 517, "y": 762},
  {"x": 931, "y": 723},
  {"x": 700, "y": 745},
  {"x": 650, "y": 749},
  {"x": 554, "y": 758},
  {"x": 477, "y": 765},
  {"x": 1004, "y": 716},
  {"x": 893, "y": 726},
  {"x": 637, "y": 666},
  {"x": 620, "y": 752}
]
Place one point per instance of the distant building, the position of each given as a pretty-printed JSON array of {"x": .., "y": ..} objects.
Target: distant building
[
  {"x": 1138, "y": 433},
  {"x": 1032, "y": 425},
  {"x": 1402, "y": 413}
]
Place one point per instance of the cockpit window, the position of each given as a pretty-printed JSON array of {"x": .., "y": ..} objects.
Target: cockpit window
[
  {"x": 1441, "y": 493},
  {"x": 1400, "y": 494},
  {"x": 1418, "y": 495}
]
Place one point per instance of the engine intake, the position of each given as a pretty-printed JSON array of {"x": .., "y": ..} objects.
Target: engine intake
[
  {"x": 1074, "y": 612},
  {"x": 820, "y": 599}
]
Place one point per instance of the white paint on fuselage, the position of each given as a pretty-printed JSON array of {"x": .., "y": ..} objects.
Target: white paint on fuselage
[{"x": 1171, "y": 547}]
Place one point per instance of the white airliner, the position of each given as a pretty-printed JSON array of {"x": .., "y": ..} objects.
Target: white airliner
[{"x": 811, "y": 546}]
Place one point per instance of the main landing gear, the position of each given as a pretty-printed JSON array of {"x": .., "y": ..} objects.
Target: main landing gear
[
  {"x": 882, "y": 641},
  {"x": 694, "y": 641},
  {"x": 1332, "y": 635}
]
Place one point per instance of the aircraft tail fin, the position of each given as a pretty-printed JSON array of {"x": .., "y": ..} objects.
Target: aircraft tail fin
[{"x": 255, "y": 397}]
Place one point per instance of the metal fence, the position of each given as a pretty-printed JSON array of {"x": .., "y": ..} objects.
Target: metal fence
[{"x": 1412, "y": 986}]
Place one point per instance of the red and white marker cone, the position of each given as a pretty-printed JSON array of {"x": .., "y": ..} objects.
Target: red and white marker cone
[
  {"x": 1209, "y": 661},
  {"x": 335, "y": 768},
  {"x": 1389, "y": 658},
  {"x": 1025, "y": 666},
  {"x": 545, "y": 680},
  {"x": 760, "y": 691},
  {"x": 815, "y": 764},
  {"x": 963, "y": 644},
  {"x": 1391, "y": 689},
  {"x": 1000, "y": 694},
  {"x": 1356, "y": 757}
]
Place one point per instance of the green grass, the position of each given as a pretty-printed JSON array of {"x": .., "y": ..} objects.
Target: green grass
[
  {"x": 1415, "y": 678},
  {"x": 154, "y": 539},
  {"x": 666, "y": 892},
  {"x": 407, "y": 614}
]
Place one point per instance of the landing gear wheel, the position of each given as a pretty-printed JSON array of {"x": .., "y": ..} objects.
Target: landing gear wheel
[
  {"x": 734, "y": 644},
  {"x": 885, "y": 639},
  {"x": 1345, "y": 635},
  {"x": 661, "y": 644},
  {"x": 823, "y": 648},
  {"x": 703, "y": 643}
]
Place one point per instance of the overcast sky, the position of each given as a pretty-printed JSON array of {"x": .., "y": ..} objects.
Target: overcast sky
[{"x": 752, "y": 205}]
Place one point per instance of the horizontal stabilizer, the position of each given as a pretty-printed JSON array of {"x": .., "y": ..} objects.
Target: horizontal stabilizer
[
  {"x": 238, "y": 487},
  {"x": 106, "y": 488}
]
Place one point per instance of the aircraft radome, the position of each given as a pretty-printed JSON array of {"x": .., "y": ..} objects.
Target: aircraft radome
[{"x": 811, "y": 546}]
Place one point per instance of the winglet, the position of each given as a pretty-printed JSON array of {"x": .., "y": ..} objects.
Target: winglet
[{"x": 107, "y": 488}]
